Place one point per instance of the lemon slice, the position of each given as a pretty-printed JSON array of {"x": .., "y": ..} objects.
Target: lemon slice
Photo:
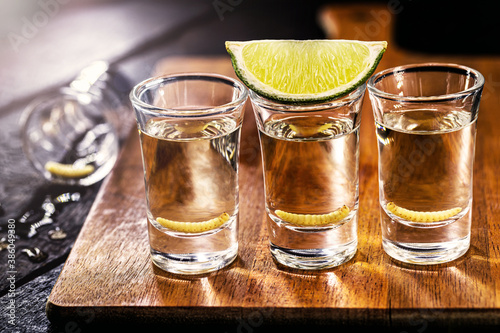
[
  {"x": 194, "y": 227},
  {"x": 191, "y": 127},
  {"x": 68, "y": 170},
  {"x": 314, "y": 219},
  {"x": 304, "y": 71},
  {"x": 309, "y": 131},
  {"x": 416, "y": 216}
]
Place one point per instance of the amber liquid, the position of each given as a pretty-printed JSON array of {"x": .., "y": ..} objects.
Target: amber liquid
[
  {"x": 425, "y": 165},
  {"x": 191, "y": 175},
  {"x": 311, "y": 167}
]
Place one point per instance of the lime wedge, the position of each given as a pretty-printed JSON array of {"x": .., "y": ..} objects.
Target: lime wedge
[{"x": 304, "y": 71}]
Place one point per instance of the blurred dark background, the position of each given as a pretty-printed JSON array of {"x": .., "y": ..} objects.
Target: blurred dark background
[
  {"x": 459, "y": 27},
  {"x": 44, "y": 43}
]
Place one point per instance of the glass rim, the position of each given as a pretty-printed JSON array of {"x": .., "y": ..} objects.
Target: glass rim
[
  {"x": 149, "y": 83},
  {"x": 305, "y": 107},
  {"x": 429, "y": 66}
]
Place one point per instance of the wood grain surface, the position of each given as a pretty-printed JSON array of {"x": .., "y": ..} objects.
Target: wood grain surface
[{"x": 109, "y": 277}]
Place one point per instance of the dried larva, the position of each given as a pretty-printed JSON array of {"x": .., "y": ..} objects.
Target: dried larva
[
  {"x": 314, "y": 219},
  {"x": 68, "y": 170},
  {"x": 424, "y": 217},
  {"x": 194, "y": 227}
]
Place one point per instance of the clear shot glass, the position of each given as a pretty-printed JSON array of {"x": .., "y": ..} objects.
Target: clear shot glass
[
  {"x": 189, "y": 127},
  {"x": 72, "y": 136},
  {"x": 425, "y": 119},
  {"x": 310, "y": 156}
]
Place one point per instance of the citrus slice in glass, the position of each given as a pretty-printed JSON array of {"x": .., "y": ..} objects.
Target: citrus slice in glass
[{"x": 304, "y": 71}]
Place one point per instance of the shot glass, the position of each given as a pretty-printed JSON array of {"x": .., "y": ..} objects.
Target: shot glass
[
  {"x": 425, "y": 119},
  {"x": 310, "y": 156},
  {"x": 72, "y": 136},
  {"x": 189, "y": 126}
]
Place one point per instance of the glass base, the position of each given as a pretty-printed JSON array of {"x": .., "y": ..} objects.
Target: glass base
[
  {"x": 313, "y": 259},
  {"x": 426, "y": 253},
  {"x": 192, "y": 264}
]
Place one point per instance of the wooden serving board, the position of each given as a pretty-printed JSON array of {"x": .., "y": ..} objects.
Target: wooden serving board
[{"x": 108, "y": 275}]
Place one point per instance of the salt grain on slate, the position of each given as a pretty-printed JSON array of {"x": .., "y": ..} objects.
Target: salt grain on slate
[{"x": 35, "y": 254}]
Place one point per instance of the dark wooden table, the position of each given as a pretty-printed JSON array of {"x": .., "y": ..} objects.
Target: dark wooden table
[{"x": 135, "y": 36}]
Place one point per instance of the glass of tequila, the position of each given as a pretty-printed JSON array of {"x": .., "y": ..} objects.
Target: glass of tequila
[
  {"x": 425, "y": 119},
  {"x": 189, "y": 127},
  {"x": 310, "y": 158}
]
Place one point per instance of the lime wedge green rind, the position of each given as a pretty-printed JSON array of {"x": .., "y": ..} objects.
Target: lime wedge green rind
[{"x": 321, "y": 70}]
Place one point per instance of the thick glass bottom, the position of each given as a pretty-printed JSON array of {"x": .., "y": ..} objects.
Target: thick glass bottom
[
  {"x": 314, "y": 259},
  {"x": 427, "y": 253},
  {"x": 192, "y": 264}
]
